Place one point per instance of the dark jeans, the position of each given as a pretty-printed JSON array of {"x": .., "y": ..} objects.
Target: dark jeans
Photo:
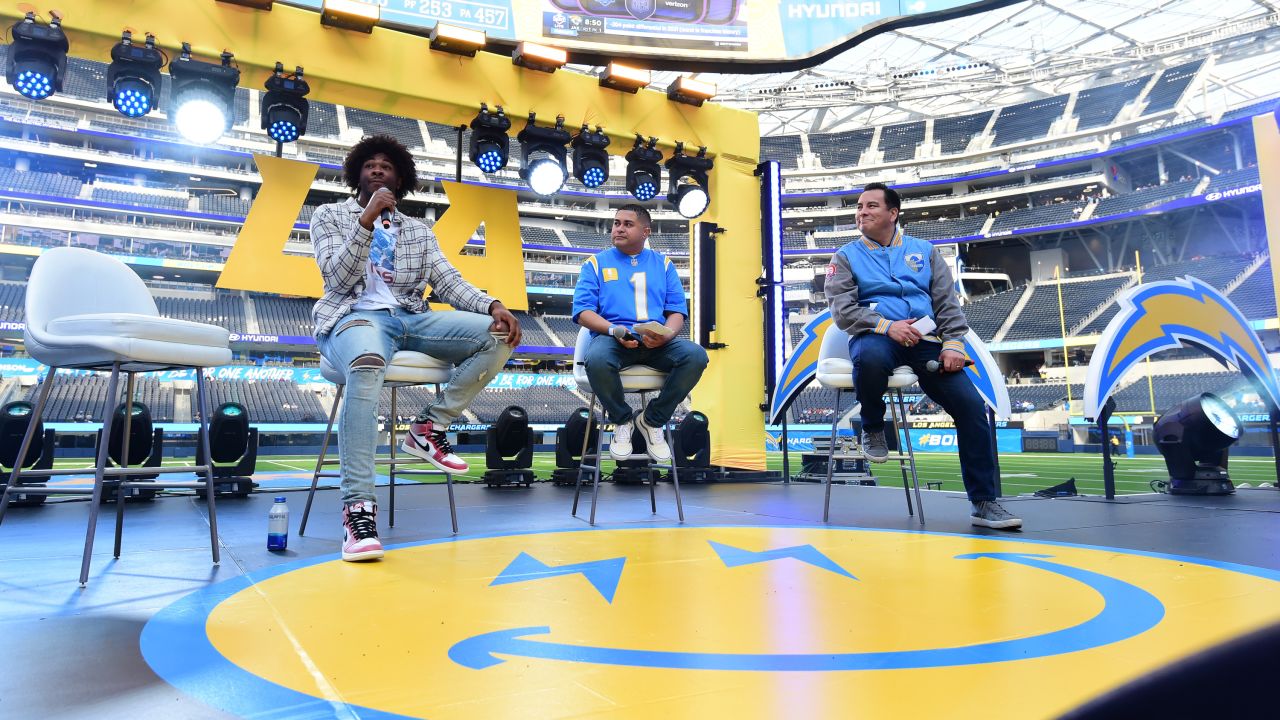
[
  {"x": 682, "y": 360},
  {"x": 874, "y": 358}
]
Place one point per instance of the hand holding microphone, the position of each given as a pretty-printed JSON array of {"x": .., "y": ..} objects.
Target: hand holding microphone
[
  {"x": 381, "y": 205},
  {"x": 386, "y": 210},
  {"x": 934, "y": 366}
]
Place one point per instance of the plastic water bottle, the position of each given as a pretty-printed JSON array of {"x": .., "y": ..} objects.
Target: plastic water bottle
[{"x": 278, "y": 525}]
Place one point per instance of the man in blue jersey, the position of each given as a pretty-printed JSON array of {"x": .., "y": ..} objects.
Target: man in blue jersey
[
  {"x": 618, "y": 289},
  {"x": 879, "y": 286}
]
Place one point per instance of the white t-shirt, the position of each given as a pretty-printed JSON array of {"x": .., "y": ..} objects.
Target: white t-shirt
[{"x": 382, "y": 266}]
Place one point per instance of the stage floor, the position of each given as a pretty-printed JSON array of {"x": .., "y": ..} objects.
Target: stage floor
[{"x": 752, "y": 608}]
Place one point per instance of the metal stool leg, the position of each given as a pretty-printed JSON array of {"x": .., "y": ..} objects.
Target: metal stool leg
[
  {"x": 124, "y": 459},
  {"x": 675, "y": 474},
  {"x": 586, "y": 443},
  {"x": 902, "y": 464},
  {"x": 12, "y": 487},
  {"x": 113, "y": 386},
  {"x": 915, "y": 479},
  {"x": 391, "y": 469},
  {"x": 324, "y": 449},
  {"x": 831, "y": 457},
  {"x": 202, "y": 395}
]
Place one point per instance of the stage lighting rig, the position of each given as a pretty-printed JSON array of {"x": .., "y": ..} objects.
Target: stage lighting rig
[
  {"x": 1194, "y": 437},
  {"x": 624, "y": 77},
  {"x": 539, "y": 57},
  {"x": 203, "y": 96},
  {"x": 489, "y": 140},
  {"x": 590, "y": 159},
  {"x": 133, "y": 78},
  {"x": 37, "y": 58},
  {"x": 643, "y": 172},
  {"x": 284, "y": 105},
  {"x": 350, "y": 15},
  {"x": 687, "y": 181},
  {"x": 456, "y": 40},
  {"x": 543, "y": 156},
  {"x": 691, "y": 92}
]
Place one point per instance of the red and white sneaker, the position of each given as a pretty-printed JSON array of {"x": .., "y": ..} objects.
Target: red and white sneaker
[
  {"x": 360, "y": 532},
  {"x": 424, "y": 440}
]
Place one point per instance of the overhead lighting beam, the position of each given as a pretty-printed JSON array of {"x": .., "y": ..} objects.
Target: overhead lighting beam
[
  {"x": 624, "y": 77},
  {"x": 690, "y": 92},
  {"x": 539, "y": 57},
  {"x": 456, "y": 40},
  {"x": 350, "y": 15}
]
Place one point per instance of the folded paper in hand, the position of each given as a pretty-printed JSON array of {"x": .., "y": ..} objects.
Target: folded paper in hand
[
  {"x": 925, "y": 325},
  {"x": 656, "y": 328}
]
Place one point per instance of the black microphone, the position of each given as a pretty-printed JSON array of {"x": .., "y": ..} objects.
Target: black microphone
[
  {"x": 385, "y": 214},
  {"x": 934, "y": 366}
]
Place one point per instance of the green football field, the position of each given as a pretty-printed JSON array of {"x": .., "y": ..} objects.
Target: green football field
[{"x": 1021, "y": 473}]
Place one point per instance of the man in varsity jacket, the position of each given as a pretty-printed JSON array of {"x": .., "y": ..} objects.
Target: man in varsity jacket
[
  {"x": 881, "y": 284},
  {"x": 622, "y": 287}
]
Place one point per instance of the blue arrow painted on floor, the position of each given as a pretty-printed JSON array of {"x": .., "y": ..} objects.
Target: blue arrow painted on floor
[
  {"x": 734, "y": 557},
  {"x": 1128, "y": 611},
  {"x": 602, "y": 574}
]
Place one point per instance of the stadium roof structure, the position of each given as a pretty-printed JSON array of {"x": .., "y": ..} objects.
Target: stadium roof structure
[{"x": 1017, "y": 53}]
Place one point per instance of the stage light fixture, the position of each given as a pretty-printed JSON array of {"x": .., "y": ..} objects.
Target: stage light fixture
[
  {"x": 644, "y": 175},
  {"x": 284, "y": 105},
  {"x": 133, "y": 78},
  {"x": 590, "y": 159},
  {"x": 456, "y": 40},
  {"x": 489, "y": 141},
  {"x": 691, "y": 92},
  {"x": 508, "y": 449},
  {"x": 350, "y": 15},
  {"x": 539, "y": 57},
  {"x": 37, "y": 58},
  {"x": 203, "y": 96},
  {"x": 543, "y": 156},
  {"x": 624, "y": 77},
  {"x": 1194, "y": 437},
  {"x": 688, "y": 187}
]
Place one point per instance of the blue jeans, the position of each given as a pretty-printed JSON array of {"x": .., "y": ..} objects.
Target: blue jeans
[
  {"x": 460, "y": 338},
  {"x": 874, "y": 358},
  {"x": 682, "y": 360}
]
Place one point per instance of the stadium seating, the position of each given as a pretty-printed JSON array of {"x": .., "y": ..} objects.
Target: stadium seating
[
  {"x": 532, "y": 332},
  {"x": 1027, "y": 120},
  {"x": 138, "y": 199},
  {"x": 899, "y": 142},
  {"x": 953, "y": 134},
  {"x": 1231, "y": 179},
  {"x": 1144, "y": 198},
  {"x": 284, "y": 316},
  {"x": 1038, "y": 216},
  {"x": 224, "y": 310},
  {"x": 1172, "y": 389},
  {"x": 783, "y": 148},
  {"x": 1098, "y": 106},
  {"x": 230, "y": 205},
  {"x": 1168, "y": 89},
  {"x": 946, "y": 228},
  {"x": 986, "y": 315},
  {"x": 322, "y": 120},
  {"x": 374, "y": 123},
  {"x": 269, "y": 401},
  {"x": 565, "y": 328},
  {"x": 40, "y": 183},
  {"x": 842, "y": 149},
  {"x": 1256, "y": 296}
]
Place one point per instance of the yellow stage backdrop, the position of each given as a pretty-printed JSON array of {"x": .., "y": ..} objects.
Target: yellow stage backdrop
[
  {"x": 1266, "y": 136},
  {"x": 395, "y": 73}
]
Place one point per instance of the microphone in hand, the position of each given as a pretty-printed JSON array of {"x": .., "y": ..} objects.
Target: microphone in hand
[
  {"x": 934, "y": 366},
  {"x": 386, "y": 212}
]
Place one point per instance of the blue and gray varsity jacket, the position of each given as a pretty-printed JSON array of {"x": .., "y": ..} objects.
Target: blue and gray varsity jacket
[{"x": 908, "y": 279}]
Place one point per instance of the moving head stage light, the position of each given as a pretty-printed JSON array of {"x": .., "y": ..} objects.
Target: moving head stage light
[
  {"x": 590, "y": 159},
  {"x": 508, "y": 449},
  {"x": 489, "y": 142},
  {"x": 1194, "y": 437},
  {"x": 543, "y": 156},
  {"x": 133, "y": 78},
  {"x": 569, "y": 441},
  {"x": 284, "y": 106},
  {"x": 234, "y": 447},
  {"x": 37, "y": 58},
  {"x": 688, "y": 186},
  {"x": 203, "y": 96},
  {"x": 15, "y": 417},
  {"x": 643, "y": 171}
]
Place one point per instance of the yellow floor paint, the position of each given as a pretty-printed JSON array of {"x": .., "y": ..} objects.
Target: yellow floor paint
[{"x": 379, "y": 635}]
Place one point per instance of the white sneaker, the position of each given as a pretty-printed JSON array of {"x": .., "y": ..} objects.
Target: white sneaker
[
  {"x": 655, "y": 444},
  {"x": 620, "y": 446}
]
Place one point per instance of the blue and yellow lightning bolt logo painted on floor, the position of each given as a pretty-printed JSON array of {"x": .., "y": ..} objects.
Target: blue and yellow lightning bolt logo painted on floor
[{"x": 675, "y": 622}]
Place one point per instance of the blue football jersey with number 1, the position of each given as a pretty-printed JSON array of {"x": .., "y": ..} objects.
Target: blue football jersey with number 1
[{"x": 628, "y": 294}]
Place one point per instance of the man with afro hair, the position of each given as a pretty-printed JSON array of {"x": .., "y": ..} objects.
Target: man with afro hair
[{"x": 377, "y": 263}]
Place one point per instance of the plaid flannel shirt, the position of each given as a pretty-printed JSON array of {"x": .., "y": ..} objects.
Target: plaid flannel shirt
[{"x": 342, "y": 251}]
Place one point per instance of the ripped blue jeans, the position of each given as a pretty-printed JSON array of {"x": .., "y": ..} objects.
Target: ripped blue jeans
[{"x": 362, "y": 343}]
